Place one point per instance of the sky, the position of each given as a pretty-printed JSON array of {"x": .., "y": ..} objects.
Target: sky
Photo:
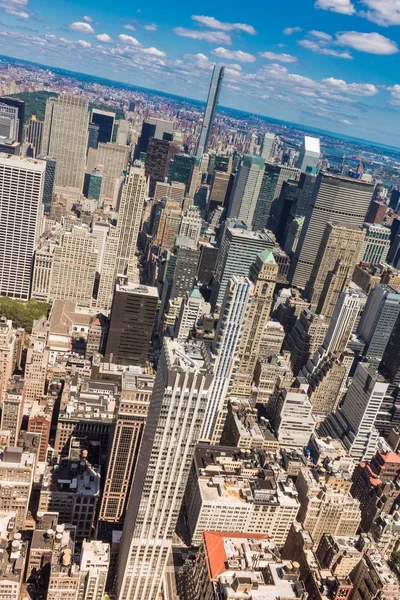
[{"x": 329, "y": 64}]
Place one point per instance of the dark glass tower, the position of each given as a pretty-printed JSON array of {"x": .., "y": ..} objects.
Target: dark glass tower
[{"x": 212, "y": 101}]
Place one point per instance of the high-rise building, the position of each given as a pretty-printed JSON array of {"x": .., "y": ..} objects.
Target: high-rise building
[
  {"x": 33, "y": 135},
  {"x": 239, "y": 249},
  {"x": 305, "y": 338},
  {"x": 310, "y": 153},
  {"x": 12, "y": 408},
  {"x": 334, "y": 198},
  {"x": 336, "y": 258},
  {"x": 172, "y": 430},
  {"x": 40, "y": 422},
  {"x": 209, "y": 114},
  {"x": 37, "y": 359},
  {"x": 192, "y": 308},
  {"x": 16, "y": 478},
  {"x": 7, "y": 352},
  {"x": 93, "y": 136},
  {"x": 105, "y": 120},
  {"x": 376, "y": 213},
  {"x": 181, "y": 170},
  {"x": 191, "y": 223},
  {"x": 131, "y": 323},
  {"x": 21, "y": 210},
  {"x": 173, "y": 191},
  {"x": 12, "y": 111},
  {"x": 187, "y": 258},
  {"x": 291, "y": 412},
  {"x": 122, "y": 136},
  {"x": 154, "y": 128},
  {"x": 326, "y": 374},
  {"x": 376, "y": 244},
  {"x": 131, "y": 414},
  {"x": 343, "y": 321},
  {"x": 94, "y": 564},
  {"x": 158, "y": 157},
  {"x": 93, "y": 185},
  {"x": 246, "y": 189},
  {"x": 267, "y": 147},
  {"x": 65, "y": 133},
  {"x": 224, "y": 357},
  {"x": 378, "y": 320},
  {"x": 111, "y": 161},
  {"x": 263, "y": 275},
  {"x": 49, "y": 178}
]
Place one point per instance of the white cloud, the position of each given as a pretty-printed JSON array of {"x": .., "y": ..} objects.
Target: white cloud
[
  {"x": 238, "y": 55},
  {"x": 374, "y": 43},
  {"x": 151, "y": 27},
  {"x": 354, "y": 89},
  {"x": 84, "y": 44},
  {"x": 81, "y": 27},
  {"x": 382, "y": 12},
  {"x": 395, "y": 94},
  {"x": 154, "y": 52},
  {"x": 88, "y": 19},
  {"x": 284, "y": 58},
  {"x": 130, "y": 27},
  {"x": 290, "y": 30},
  {"x": 215, "y": 37},
  {"x": 345, "y": 7},
  {"x": 128, "y": 39},
  {"x": 16, "y": 8},
  {"x": 321, "y": 35},
  {"x": 215, "y": 24},
  {"x": 320, "y": 48},
  {"x": 104, "y": 37}
]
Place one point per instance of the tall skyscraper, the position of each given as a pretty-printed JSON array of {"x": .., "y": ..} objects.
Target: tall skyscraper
[
  {"x": 342, "y": 322},
  {"x": 246, "y": 188},
  {"x": 309, "y": 156},
  {"x": 172, "y": 430},
  {"x": 131, "y": 323},
  {"x": 111, "y": 161},
  {"x": 21, "y": 210},
  {"x": 263, "y": 275},
  {"x": 105, "y": 120},
  {"x": 212, "y": 101},
  {"x": 224, "y": 356},
  {"x": 159, "y": 129},
  {"x": 14, "y": 116},
  {"x": 34, "y": 132},
  {"x": 65, "y": 134},
  {"x": 49, "y": 178},
  {"x": 267, "y": 146},
  {"x": 334, "y": 198},
  {"x": 376, "y": 244}
]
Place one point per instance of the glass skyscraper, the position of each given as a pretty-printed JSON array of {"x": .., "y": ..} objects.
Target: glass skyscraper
[{"x": 212, "y": 101}]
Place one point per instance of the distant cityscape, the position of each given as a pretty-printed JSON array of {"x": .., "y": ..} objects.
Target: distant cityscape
[{"x": 199, "y": 349}]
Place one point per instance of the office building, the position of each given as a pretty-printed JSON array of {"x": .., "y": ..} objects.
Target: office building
[
  {"x": 334, "y": 198},
  {"x": 271, "y": 372},
  {"x": 21, "y": 207},
  {"x": 181, "y": 170},
  {"x": 12, "y": 561},
  {"x": 305, "y": 338},
  {"x": 246, "y": 189},
  {"x": 354, "y": 421},
  {"x": 239, "y": 249},
  {"x": 111, "y": 161},
  {"x": 93, "y": 185},
  {"x": 172, "y": 431},
  {"x": 325, "y": 509},
  {"x": 376, "y": 213},
  {"x": 191, "y": 223},
  {"x": 94, "y": 564},
  {"x": 291, "y": 413},
  {"x": 192, "y": 309},
  {"x": 93, "y": 137},
  {"x": 131, "y": 323},
  {"x": 74, "y": 267},
  {"x": 272, "y": 339},
  {"x": 218, "y": 190},
  {"x": 263, "y": 275},
  {"x": 158, "y": 157},
  {"x": 159, "y": 129},
  {"x": 187, "y": 258},
  {"x": 100, "y": 230},
  {"x": 12, "y": 408},
  {"x": 227, "y": 492},
  {"x": 49, "y": 178},
  {"x": 344, "y": 320},
  {"x": 267, "y": 146},
  {"x": 8, "y": 343},
  {"x": 326, "y": 374},
  {"x": 376, "y": 244},
  {"x": 33, "y": 135},
  {"x": 373, "y": 577},
  {"x": 105, "y": 121},
  {"x": 39, "y": 421},
  {"x": 65, "y": 133},
  {"x": 309, "y": 155},
  {"x": 131, "y": 414},
  {"x": 12, "y": 112},
  {"x": 207, "y": 263},
  {"x": 224, "y": 358},
  {"x": 173, "y": 191},
  {"x": 244, "y": 430},
  {"x": 209, "y": 114},
  {"x": 337, "y": 256},
  {"x": 16, "y": 480},
  {"x": 122, "y": 136},
  {"x": 64, "y": 578},
  {"x": 377, "y": 321}
]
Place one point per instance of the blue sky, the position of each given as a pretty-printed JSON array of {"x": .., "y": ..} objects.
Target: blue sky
[{"x": 331, "y": 64}]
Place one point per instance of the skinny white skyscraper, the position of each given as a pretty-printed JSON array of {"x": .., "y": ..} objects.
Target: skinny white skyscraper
[
  {"x": 171, "y": 433},
  {"x": 21, "y": 211},
  {"x": 343, "y": 320},
  {"x": 212, "y": 101}
]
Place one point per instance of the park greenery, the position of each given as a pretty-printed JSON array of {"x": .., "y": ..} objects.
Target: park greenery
[{"x": 23, "y": 313}]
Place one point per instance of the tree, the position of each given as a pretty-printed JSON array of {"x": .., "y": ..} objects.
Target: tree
[
  {"x": 22, "y": 313},
  {"x": 396, "y": 558}
]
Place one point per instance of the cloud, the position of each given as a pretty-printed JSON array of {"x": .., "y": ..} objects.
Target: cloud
[
  {"x": 382, "y": 12},
  {"x": 213, "y": 23},
  {"x": 320, "y": 48},
  {"x": 88, "y": 19},
  {"x": 81, "y": 27},
  {"x": 395, "y": 94},
  {"x": 128, "y": 39},
  {"x": 151, "y": 27},
  {"x": 321, "y": 35},
  {"x": 345, "y": 7},
  {"x": 130, "y": 27},
  {"x": 154, "y": 52},
  {"x": 84, "y": 44},
  {"x": 104, "y": 37},
  {"x": 290, "y": 30},
  {"x": 374, "y": 43},
  {"x": 238, "y": 55},
  {"x": 355, "y": 89},
  {"x": 284, "y": 58},
  {"x": 215, "y": 37},
  {"x": 16, "y": 8}
]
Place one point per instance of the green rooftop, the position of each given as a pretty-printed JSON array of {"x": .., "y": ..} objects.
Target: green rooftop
[{"x": 267, "y": 256}]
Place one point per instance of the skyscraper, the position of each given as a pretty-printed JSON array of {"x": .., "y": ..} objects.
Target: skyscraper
[
  {"x": 21, "y": 211},
  {"x": 267, "y": 146},
  {"x": 105, "y": 120},
  {"x": 224, "y": 356},
  {"x": 309, "y": 155},
  {"x": 246, "y": 188},
  {"x": 34, "y": 134},
  {"x": 65, "y": 134},
  {"x": 16, "y": 112},
  {"x": 49, "y": 178},
  {"x": 131, "y": 323},
  {"x": 212, "y": 101},
  {"x": 111, "y": 161},
  {"x": 342, "y": 322},
  {"x": 334, "y": 198},
  {"x": 172, "y": 430}
]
